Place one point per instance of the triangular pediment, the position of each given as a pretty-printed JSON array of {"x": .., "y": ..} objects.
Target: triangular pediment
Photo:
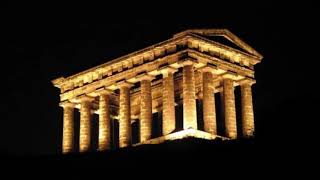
[{"x": 223, "y": 36}]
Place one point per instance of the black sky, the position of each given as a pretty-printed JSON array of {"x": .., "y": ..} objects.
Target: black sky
[{"x": 46, "y": 41}]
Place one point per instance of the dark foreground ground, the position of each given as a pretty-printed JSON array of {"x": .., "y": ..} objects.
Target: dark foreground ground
[
  {"x": 202, "y": 159},
  {"x": 179, "y": 153}
]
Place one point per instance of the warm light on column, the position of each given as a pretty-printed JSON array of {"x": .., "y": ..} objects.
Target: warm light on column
[
  {"x": 104, "y": 121},
  {"x": 189, "y": 96},
  {"x": 145, "y": 108},
  {"x": 85, "y": 124},
  {"x": 229, "y": 108},
  {"x": 247, "y": 108},
  {"x": 125, "y": 115},
  {"x": 168, "y": 102},
  {"x": 209, "y": 109},
  {"x": 68, "y": 127}
]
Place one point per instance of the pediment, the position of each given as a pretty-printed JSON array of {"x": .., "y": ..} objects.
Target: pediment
[{"x": 223, "y": 36}]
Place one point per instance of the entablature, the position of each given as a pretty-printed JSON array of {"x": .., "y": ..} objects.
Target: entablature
[{"x": 150, "y": 59}]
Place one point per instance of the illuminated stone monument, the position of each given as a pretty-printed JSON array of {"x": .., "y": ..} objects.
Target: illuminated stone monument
[{"x": 188, "y": 69}]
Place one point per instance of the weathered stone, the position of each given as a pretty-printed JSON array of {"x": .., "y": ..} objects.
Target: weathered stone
[
  {"x": 104, "y": 122},
  {"x": 168, "y": 103},
  {"x": 68, "y": 128},
  {"x": 189, "y": 98},
  {"x": 125, "y": 116},
  {"x": 85, "y": 125},
  {"x": 209, "y": 109},
  {"x": 229, "y": 108},
  {"x": 247, "y": 110},
  {"x": 145, "y": 110}
]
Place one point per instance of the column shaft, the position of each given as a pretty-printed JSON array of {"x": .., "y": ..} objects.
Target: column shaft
[
  {"x": 145, "y": 110},
  {"x": 85, "y": 126},
  {"x": 229, "y": 108},
  {"x": 168, "y": 104},
  {"x": 125, "y": 117},
  {"x": 209, "y": 109},
  {"x": 189, "y": 98},
  {"x": 104, "y": 122},
  {"x": 68, "y": 130},
  {"x": 247, "y": 110}
]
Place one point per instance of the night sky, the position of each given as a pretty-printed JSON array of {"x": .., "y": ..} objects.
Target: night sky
[{"x": 45, "y": 41}]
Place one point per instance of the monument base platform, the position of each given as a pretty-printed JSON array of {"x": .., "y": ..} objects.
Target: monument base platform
[{"x": 181, "y": 135}]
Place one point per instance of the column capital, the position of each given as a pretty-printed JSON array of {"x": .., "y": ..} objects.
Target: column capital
[
  {"x": 112, "y": 87},
  {"x": 145, "y": 76},
  {"x": 247, "y": 81},
  {"x": 140, "y": 77},
  {"x": 187, "y": 62},
  {"x": 124, "y": 83},
  {"x": 85, "y": 98},
  {"x": 166, "y": 70},
  {"x": 119, "y": 84},
  {"x": 212, "y": 68},
  {"x": 103, "y": 91},
  {"x": 82, "y": 98},
  {"x": 232, "y": 75},
  {"x": 65, "y": 104},
  {"x": 208, "y": 68}
]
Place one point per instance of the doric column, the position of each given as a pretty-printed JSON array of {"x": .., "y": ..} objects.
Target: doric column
[
  {"x": 229, "y": 108},
  {"x": 247, "y": 108},
  {"x": 189, "y": 96},
  {"x": 85, "y": 124},
  {"x": 125, "y": 115},
  {"x": 145, "y": 108},
  {"x": 104, "y": 120},
  {"x": 68, "y": 127},
  {"x": 209, "y": 108},
  {"x": 168, "y": 102}
]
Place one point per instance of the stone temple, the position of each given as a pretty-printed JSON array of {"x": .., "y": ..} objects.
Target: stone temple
[{"x": 173, "y": 87}]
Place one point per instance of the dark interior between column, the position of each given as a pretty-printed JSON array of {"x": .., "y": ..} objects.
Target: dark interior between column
[
  {"x": 219, "y": 114},
  {"x": 156, "y": 124},
  {"x": 179, "y": 117},
  {"x": 200, "y": 121},
  {"x": 114, "y": 134},
  {"x": 94, "y": 132},
  {"x": 237, "y": 94},
  {"x": 135, "y": 131},
  {"x": 76, "y": 129}
]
